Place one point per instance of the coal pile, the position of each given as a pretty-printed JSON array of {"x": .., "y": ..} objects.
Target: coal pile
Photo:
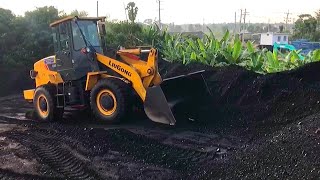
[
  {"x": 248, "y": 98},
  {"x": 279, "y": 112},
  {"x": 250, "y": 126}
]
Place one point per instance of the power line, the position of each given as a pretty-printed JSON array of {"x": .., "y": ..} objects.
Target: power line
[
  {"x": 202, "y": 24},
  {"x": 235, "y": 23},
  {"x": 159, "y": 9},
  {"x": 244, "y": 22},
  {"x": 240, "y": 21},
  {"x": 244, "y": 18},
  {"x": 125, "y": 11},
  {"x": 287, "y": 18},
  {"x": 243, "y": 15}
]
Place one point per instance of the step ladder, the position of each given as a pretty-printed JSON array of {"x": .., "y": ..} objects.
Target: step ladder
[{"x": 60, "y": 95}]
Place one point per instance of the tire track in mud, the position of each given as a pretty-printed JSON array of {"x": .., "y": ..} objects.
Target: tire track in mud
[
  {"x": 151, "y": 151},
  {"x": 52, "y": 153},
  {"x": 9, "y": 175},
  {"x": 100, "y": 141},
  {"x": 49, "y": 144},
  {"x": 64, "y": 162},
  {"x": 141, "y": 147}
]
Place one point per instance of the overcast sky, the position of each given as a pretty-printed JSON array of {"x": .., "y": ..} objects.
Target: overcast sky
[{"x": 178, "y": 11}]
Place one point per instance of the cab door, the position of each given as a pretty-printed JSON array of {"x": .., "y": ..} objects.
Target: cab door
[{"x": 64, "y": 64}]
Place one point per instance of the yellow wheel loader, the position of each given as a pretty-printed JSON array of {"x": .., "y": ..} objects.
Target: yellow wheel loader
[{"x": 81, "y": 75}]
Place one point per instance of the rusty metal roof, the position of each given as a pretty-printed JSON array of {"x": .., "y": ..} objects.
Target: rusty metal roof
[{"x": 73, "y": 17}]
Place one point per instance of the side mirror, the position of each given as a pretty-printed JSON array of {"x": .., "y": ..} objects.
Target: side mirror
[{"x": 102, "y": 28}]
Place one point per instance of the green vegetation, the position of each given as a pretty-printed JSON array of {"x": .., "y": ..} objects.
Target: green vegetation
[
  {"x": 26, "y": 39},
  {"x": 132, "y": 11},
  {"x": 123, "y": 33},
  {"x": 130, "y": 35},
  {"x": 307, "y": 27},
  {"x": 227, "y": 50}
]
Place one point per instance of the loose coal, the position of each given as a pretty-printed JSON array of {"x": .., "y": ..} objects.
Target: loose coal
[{"x": 246, "y": 98}]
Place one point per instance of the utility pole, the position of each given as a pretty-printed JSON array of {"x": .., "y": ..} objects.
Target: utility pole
[
  {"x": 240, "y": 20},
  {"x": 160, "y": 26},
  {"x": 235, "y": 24},
  {"x": 287, "y": 18},
  {"x": 244, "y": 18},
  {"x": 97, "y": 8},
  {"x": 202, "y": 24},
  {"x": 294, "y": 21},
  {"x": 125, "y": 11},
  {"x": 244, "y": 15}
]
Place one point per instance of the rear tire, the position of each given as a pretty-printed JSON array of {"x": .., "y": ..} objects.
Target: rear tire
[
  {"x": 45, "y": 106},
  {"x": 110, "y": 100}
]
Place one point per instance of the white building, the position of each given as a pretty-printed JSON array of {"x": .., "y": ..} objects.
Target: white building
[{"x": 268, "y": 39}]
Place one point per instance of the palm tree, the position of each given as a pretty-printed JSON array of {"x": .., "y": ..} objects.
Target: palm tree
[{"x": 132, "y": 11}]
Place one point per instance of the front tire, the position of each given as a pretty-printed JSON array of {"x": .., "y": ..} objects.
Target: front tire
[
  {"x": 45, "y": 106},
  {"x": 110, "y": 100}
]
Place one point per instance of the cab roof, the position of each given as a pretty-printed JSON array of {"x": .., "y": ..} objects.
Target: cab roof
[{"x": 69, "y": 18}]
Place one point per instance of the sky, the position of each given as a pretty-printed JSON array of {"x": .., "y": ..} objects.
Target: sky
[{"x": 178, "y": 11}]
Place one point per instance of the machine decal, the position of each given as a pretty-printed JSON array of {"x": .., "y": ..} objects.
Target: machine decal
[
  {"x": 117, "y": 66},
  {"x": 50, "y": 60}
]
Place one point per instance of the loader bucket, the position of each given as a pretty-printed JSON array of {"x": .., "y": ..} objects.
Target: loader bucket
[
  {"x": 181, "y": 91},
  {"x": 157, "y": 108}
]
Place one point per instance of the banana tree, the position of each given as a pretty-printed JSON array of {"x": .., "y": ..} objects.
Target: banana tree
[{"x": 232, "y": 52}]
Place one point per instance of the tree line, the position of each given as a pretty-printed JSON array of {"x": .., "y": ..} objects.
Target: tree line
[
  {"x": 308, "y": 27},
  {"x": 26, "y": 39}
]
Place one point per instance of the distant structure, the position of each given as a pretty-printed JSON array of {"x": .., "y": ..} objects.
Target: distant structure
[
  {"x": 197, "y": 34},
  {"x": 245, "y": 36},
  {"x": 268, "y": 39}
]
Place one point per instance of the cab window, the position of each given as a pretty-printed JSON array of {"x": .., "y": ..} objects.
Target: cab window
[
  {"x": 90, "y": 32},
  {"x": 64, "y": 37},
  {"x": 55, "y": 39}
]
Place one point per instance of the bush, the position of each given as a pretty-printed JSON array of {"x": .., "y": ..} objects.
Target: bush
[
  {"x": 124, "y": 34},
  {"x": 226, "y": 51}
]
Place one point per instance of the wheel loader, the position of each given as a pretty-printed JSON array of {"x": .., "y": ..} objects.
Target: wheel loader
[{"x": 80, "y": 75}]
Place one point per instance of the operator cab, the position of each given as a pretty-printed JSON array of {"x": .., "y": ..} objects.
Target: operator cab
[{"x": 71, "y": 38}]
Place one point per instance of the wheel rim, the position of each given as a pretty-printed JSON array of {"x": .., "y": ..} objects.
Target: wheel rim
[
  {"x": 42, "y": 105},
  {"x": 106, "y": 102}
]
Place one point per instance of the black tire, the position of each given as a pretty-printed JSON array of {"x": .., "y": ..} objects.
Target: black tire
[
  {"x": 121, "y": 102},
  {"x": 50, "y": 112}
]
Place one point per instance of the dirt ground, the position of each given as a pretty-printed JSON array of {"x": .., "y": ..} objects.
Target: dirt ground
[{"x": 251, "y": 127}]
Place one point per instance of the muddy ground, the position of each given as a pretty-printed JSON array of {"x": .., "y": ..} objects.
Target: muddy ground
[{"x": 250, "y": 127}]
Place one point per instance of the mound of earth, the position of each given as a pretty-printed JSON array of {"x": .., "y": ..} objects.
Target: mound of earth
[
  {"x": 248, "y": 126},
  {"x": 279, "y": 112},
  {"x": 248, "y": 97}
]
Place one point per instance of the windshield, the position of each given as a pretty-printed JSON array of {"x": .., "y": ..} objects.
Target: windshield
[{"x": 90, "y": 31}]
